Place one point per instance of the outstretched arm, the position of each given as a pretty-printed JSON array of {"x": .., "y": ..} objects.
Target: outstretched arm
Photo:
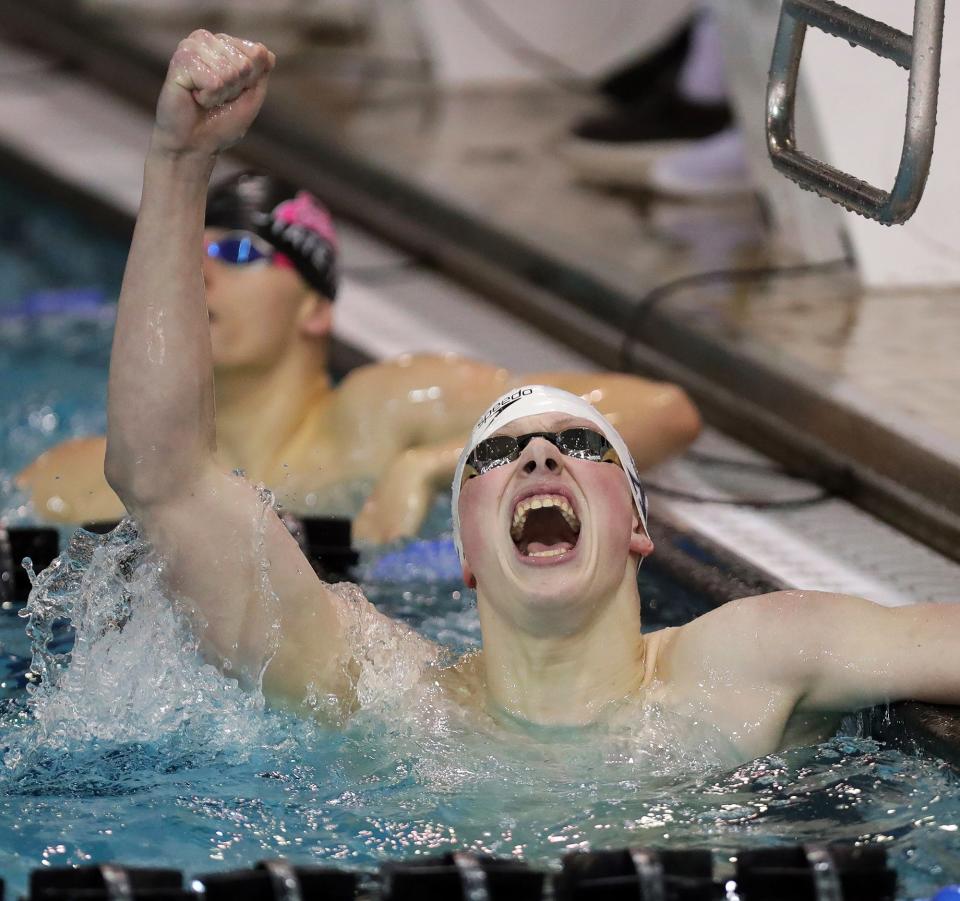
[
  {"x": 830, "y": 652},
  {"x": 780, "y": 668},
  {"x": 862, "y": 654},
  {"x": 224, "y": 551}
]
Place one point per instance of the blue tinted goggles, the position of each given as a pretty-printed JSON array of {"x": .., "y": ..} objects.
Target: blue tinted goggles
[{"x": 241, "y": 248}]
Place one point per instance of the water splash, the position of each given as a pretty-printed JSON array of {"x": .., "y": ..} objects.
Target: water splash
[
  {"x": 268, "y": 596},
  {"x": 132, "y": 673},
  {"x": 156, "y": 342}
]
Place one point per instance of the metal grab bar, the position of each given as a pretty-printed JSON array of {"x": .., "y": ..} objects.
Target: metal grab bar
[{"x": 919, "y": 53}]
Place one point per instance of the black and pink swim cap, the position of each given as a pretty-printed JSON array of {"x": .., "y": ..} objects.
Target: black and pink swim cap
[{"x": 294, "y": 222}]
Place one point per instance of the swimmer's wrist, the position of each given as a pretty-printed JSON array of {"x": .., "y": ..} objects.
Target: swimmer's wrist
[
  {"x": 411, "y": 468},
  {"x": 430, "y": 464},
  {"x": 183, "y": 158}
]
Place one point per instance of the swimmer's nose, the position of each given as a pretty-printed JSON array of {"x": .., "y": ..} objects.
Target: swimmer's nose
[{"x": 540, "y": 457}]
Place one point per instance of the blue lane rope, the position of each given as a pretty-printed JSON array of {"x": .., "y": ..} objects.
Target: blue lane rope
[
  {"x": 64, "y": 302},
  {"x": 427, "y": 560}
]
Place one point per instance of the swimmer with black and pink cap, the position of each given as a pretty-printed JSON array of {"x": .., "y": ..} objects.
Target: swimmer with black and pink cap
[
  {"x": 376, "y": 447},
  {"x": 549, "y": 514},
  {"x": 253, "y": 216}
]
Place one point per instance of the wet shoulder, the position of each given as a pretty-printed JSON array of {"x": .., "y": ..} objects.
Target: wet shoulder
[
  {"x": 406, "y": 370},
  {"x": 369, "y": 399},
  {"x": 418, "y": 380},
  {"x": 754, "y": 636},
  {"x": 462, "y": 680},
  {"x": 88, "y": 453},
  {"x": 67, "y": 483}
]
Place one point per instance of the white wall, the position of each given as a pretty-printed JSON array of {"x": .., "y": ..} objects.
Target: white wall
[
  {"x": 859, "y": 102},
  {"x": 589, "y": 36}
]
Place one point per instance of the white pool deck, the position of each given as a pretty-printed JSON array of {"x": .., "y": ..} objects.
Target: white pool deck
[{"x": 90, "y": 138}]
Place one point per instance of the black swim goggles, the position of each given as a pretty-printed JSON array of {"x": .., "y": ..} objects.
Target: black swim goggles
[{"x": 579, "y": 443}]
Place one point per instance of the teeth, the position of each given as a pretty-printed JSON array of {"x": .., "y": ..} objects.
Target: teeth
[
  {"x": 554, "y": 553},
  {"x": 537, "y": 503}
]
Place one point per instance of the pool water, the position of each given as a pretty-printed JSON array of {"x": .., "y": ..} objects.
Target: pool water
[
  {"x": 130, "y": 748},
  {"x": 52, "y": 367}
]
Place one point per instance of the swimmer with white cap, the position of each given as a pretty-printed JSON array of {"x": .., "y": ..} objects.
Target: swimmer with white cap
[
  {"x": 595, "y": 440},
  {"x": 549, "y": 513}
]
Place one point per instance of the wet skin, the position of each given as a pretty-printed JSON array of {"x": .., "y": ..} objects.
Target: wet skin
[{"x": 562, "y": 640}]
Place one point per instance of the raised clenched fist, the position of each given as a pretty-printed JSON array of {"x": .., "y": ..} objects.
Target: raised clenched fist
[{"x": 213, "y": 91}]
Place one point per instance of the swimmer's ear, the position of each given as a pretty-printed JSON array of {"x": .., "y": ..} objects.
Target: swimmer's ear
[
  {"x": 469, "y": 579},
  {"x": 316, "y": 317}
]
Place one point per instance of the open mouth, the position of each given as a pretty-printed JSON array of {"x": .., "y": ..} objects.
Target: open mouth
[{"x": 544, "y": 526}]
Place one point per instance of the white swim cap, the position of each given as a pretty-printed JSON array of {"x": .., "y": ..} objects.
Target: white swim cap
[{"x": 531, "y": 400}]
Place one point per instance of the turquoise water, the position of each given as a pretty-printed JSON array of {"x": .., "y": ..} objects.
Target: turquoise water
[
  {"x": 52, "y": 368},
  {"x": 132, "y": 749}
]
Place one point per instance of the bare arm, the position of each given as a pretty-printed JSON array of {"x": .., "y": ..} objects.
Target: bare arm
[
  {"x": 829, "y": 652},
  {"x": 224, "y": 550},
  {"x": 779, "y": 669},
  {"x": 160, "y": 410},
  {"x": 402, "y": 496},
  {"x": 862, "y": 654}
]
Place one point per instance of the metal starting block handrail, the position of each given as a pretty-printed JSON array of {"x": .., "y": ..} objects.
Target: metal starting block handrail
[{"x": 919, "y": 53}]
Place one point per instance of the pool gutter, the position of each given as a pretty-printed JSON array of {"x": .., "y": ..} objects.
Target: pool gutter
[{"x": 930, "y": 729}]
